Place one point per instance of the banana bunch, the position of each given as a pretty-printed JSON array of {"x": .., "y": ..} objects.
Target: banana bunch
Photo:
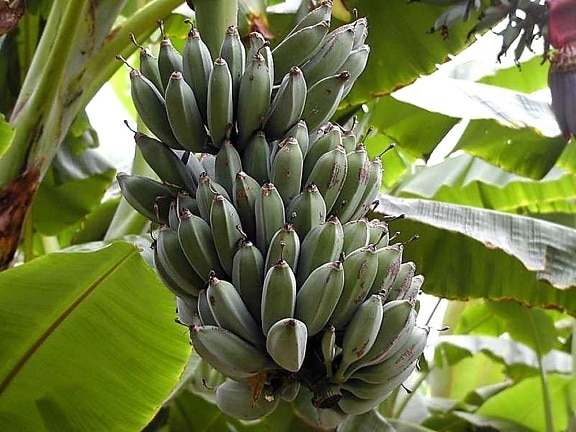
[{"x": 287, "y": 288}]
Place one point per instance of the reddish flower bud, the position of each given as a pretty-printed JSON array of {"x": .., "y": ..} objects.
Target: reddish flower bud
[
  {"x": 562, "y": 22},
  {"x": 562, "y": 78}
]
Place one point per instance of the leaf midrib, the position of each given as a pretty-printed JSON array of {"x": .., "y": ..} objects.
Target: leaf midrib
[{"x": 11, "y": 375}]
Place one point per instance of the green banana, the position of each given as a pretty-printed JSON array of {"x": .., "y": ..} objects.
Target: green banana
[
  {"x": 148, "y": 197},
  {"x": 248, "y": 275},
  {"x": 184, "y": 116},
  {"x": 169, "y": 59},
  {"x": 333, "y": 53},
  {"x": 379, "y": 233},
  {"x": 278, "y": 295},
  {"x": 286, "y": 169},
  {"x": 371, "y": 391},
  {"x": 220, "y": 104},
  {"x": 285, "y": 244},
  {"x": 328, "y": 349},
  {"x": 349, "y": 139},
  {"x": 259, "y": 45},
  {"x": 354, "y": 184},
  {"x": 196, "y": 67},
  {"x": 253, "y": 99},
  {"x": 269, "y": 215},
  {"x": 289, "y": 391},
  {"x": 307, "y": 210},
  {"x": 185, "y": 202},
  {"x": 329, "y": 175},
  {"x": 236, "y": 399},
  {"x": 175, "y": 264},
  {"x": 321, "y": 245},
  {"x": 398, "y": 320},
  {"x": 322, "y": 13},
  {"x": 354, "y": 65},
  {"x": 318, "y": 296},
  {"x": 329, "y": 140},
  {"x": 256, "y": 158},
  {"x": 165, "y": 163},
  {"x": 404, "y": 358},
  {"x": 233, "y": 51},
  {"x": 244, "y": 193},
  {"x": 319, "y": 410},
  {"x": 286, "y": 343},
  {"x": 228, "y": 353},
  {"x": 389, "y": 261},
  {"x": 151, "y": 108},
  {"x": 204, "y": 310},
  {"x": 196, "y": 241},
  {"x": 323, "y": 98},
  {"x": 208, "y": 162},
  {"x": 195, "y": 167},
  {"x": 149, "y": 65},
  {"x": 298, "y": 48},
  {"x": 227, "y": 165},
  {"x": 287, "y": 105},
  {"x": 414, "y": 289},
  {"x": 230, "y": 311},
  {"x": 180, "y": 290},
  {"x": 359, "y": 272},
  {"x": 402, "y": 282},
  {"x": 300, "y": 132},
  {"x": 360, "y": 32},
  {"x": 173, "y": 217},
  {"x": 355, "y": 406},
  {"x": 356, "y": 235},
  {"x": 371, "y": 192},
  {"x": 226, "y": 230},
  {"x": 360, "y": 334},
  {"x": 187, "y": 309},
  {"x": 207, "y": 190}
]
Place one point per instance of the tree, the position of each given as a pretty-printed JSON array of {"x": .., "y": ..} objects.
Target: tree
[{"x": 495, "y": 223}]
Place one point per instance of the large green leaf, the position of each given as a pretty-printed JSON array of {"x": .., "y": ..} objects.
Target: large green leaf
[
  {"x": 401, "y": 46},
  {"x": 523, "y": 403},
  {"x": 396, "y": 120},
  {"x": 87, "y": 342},
  {"x": 476, "y": 319},
  {"x": 531, "y": 326},
  {"x": 522, "y": 151},
  {"x": 467, "y": 252},
  {"x": 532, "y": 75},
  {"x": 72, "y": 188},
  {"x": 513, "y": 130},
  {"x": 509, "y": 352},
  {"x": 467, "y": 99},
  {"x": 471, "y": 181}
]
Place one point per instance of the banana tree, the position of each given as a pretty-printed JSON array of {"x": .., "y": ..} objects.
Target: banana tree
[{"x": 92, "y": 319}]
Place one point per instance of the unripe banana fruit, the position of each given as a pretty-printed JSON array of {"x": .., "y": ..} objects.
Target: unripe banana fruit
[{"x": 287, "y": 288}]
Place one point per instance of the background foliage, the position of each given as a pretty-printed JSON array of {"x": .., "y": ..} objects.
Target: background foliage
[{"x": 87, "y": 340}]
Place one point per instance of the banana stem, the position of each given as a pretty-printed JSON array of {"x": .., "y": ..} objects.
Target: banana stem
[
  {"x": 544, "y": 382},
  {"x": 28, "y": 239},
  {"x": 50, "y": 244},
  {"x": 212, "y": 19},
  {"x": 103, "y": 64},
  {"x": 41, "y": 86},
  {"x": 56, "y": 88}
]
